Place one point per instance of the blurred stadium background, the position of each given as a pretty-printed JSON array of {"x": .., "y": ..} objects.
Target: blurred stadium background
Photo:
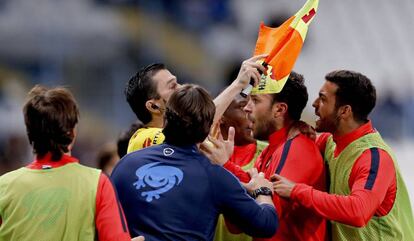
[{"x": 94, "y": 46}]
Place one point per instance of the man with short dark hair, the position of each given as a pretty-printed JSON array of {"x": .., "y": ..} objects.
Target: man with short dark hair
[
  {"x": 55, "y": 197},
  {"x": 172, "y": 192},
  {"x": 147, "y": 92},
  {"x": 272, "y": 116},
  {"x": 367, "y": 198}
]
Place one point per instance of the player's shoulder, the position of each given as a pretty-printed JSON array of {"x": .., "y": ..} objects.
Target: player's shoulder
[
  {"x": 11, "y": 176},
  {"x": 305, "y": 144},
  {"x": 145, "y": 151},
  {"x": 136, "y": 158},
  {"x": 151, "y": 131},
  {"x": 303, "y": 140},
  {"x": 147, "y": 136}
]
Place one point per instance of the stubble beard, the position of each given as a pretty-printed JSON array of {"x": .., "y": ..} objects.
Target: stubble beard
[
  {"x": 328, "y": 124},
  {"x": 263, "y": 130}
]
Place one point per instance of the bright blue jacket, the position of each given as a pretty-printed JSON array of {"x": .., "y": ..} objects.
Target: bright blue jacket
[{"x": 175, "y": 193}]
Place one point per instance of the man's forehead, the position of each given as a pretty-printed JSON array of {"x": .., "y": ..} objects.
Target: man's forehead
[
  {"x": 163, "y": 76},
  {"x": 235, "y": 103},
  {"x": 329, "y": 88},
  {"x": 261, "y": 96}
]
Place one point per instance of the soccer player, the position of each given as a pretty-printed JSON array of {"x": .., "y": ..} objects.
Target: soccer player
[
  {"x": 367, "y": 198},
  {"x": 245, "y": 152},
  {"x": 272, "y": 116},
  {"x": 173, "y": 192},
  {"x": 55, "y": 197}
]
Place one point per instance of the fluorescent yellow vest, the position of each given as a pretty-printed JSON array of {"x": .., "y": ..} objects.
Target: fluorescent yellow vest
[
  {"x": 398, "y": 224},
  {"x": 49, "y": 205},
  {"x": 222, "y": 233}
]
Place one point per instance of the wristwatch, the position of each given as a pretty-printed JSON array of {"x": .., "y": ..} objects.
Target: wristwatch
[{"x": 262, "y": 191}]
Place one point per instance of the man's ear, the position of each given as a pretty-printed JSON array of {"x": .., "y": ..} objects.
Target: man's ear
[
  {"x": 152, "y": 106},
  {"x": 74, "y": 134},
  {"x": 279, "y": 109},
  {"x": 345, "y": 111}
]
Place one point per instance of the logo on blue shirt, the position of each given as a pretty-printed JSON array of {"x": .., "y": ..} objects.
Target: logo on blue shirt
[
  {"x": 168, "y": 151},
  {"x": 160, "y": 177}
]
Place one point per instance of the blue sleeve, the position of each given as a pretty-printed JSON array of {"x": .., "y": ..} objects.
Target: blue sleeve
[{"x": 239, "y": 208}]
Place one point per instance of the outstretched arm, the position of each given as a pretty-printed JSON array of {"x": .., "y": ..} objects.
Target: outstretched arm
[
  {"x": 248, "y": 70},
  {"x": 357, "y": 208}
]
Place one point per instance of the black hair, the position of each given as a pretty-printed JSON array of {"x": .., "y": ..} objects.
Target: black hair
[
  {"x": 50, "y": 116},
  {"x": 294, "y": 94},
  {"x": 354, "y": 89},
  {"x": 189, "y": 116},
  {"x": 141, "y": 88}
]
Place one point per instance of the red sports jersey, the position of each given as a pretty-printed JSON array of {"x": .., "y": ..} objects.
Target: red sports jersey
[
  {"x": 242, "y": 155},
  {"x": 299, "y": 160}
]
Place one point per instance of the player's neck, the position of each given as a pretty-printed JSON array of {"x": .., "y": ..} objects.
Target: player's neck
[
  {"x": 156, "y": 122},
  {"x": 346, "y": 127},
  {"x": 282, "y": 123}
]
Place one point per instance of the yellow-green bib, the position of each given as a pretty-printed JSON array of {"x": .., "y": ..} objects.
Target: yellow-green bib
[
  {"x": 49, "y": 205},
  {"x": 398, "y": 224}
]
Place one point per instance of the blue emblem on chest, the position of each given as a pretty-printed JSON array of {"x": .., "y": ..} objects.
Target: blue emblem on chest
[{"x": 162, "y": 178}]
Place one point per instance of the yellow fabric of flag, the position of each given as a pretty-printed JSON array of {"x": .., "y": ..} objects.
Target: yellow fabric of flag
[{"x": 283, "y": 44}]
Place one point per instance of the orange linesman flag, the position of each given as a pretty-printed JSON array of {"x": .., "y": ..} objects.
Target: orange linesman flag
[{"x": 283, "y": 44}]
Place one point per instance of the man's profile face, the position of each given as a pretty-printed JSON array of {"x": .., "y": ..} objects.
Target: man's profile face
[
  {"x": 166, "y": 84},
  {"x": 259, "y": 111},
  {"x": 325, "y": 108},
  {"x": 236, "y": 117}
]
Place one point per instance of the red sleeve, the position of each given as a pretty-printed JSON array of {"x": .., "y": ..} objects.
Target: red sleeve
[
  {"x": 110, "y": 220},
  {"x": 370, "y": 180},
  {"x": 237, "y": 171},
  {"x": 321, "y": 141}
]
